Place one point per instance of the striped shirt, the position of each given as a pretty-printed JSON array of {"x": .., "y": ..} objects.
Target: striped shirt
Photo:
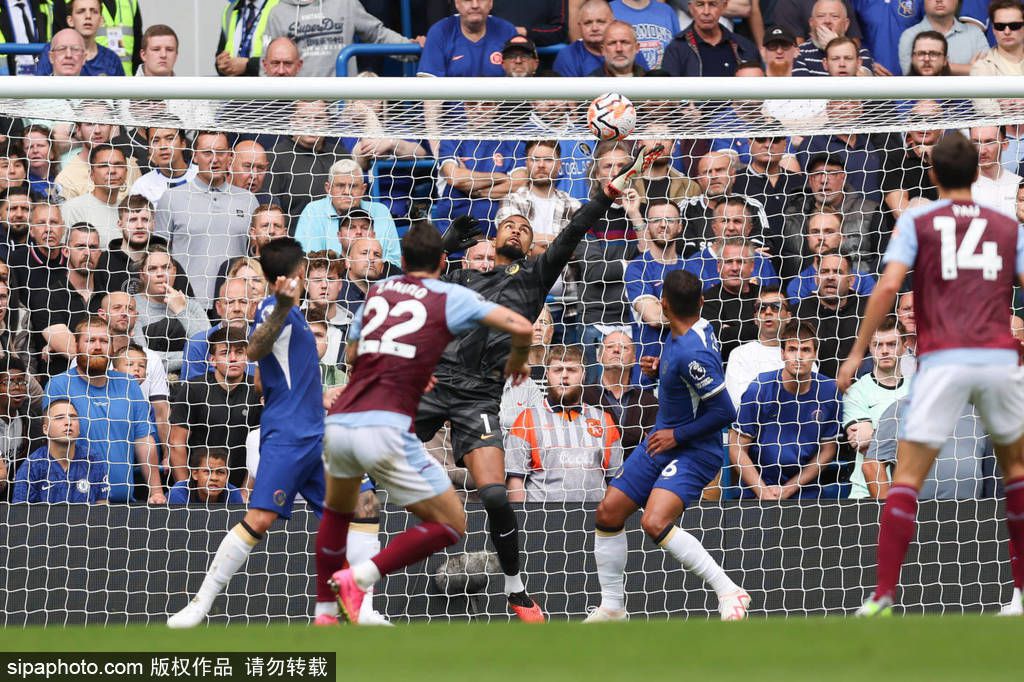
[
  {"x": 565, "y": 455},
  {"x": 809, "y": 58}
]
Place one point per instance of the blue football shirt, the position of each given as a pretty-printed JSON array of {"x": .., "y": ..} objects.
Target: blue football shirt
[
  {"x": 448, "y": 52},
  {"x": 645, "y": 278},
  {"x": 41, "y": 479}
]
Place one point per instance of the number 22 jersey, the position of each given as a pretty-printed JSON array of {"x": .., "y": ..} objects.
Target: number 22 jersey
[{"x": 401, "y": 331}]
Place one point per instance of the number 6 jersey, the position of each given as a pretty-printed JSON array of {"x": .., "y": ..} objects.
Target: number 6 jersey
[
  {"x": 401, "y": 331},
  {"x": 965, "y": 259}
]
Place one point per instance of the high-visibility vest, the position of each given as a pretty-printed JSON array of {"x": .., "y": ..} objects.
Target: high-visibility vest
[
  {"x": 45, "y": 32},
  {"x": 118, "y": 31},
  {"x": 230, "y": 21}
]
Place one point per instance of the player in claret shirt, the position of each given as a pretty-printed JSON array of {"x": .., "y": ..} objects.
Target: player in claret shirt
[{"x": 965, "y": 258}]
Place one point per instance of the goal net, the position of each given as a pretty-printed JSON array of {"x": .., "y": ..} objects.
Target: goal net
[{"x": 145, "y": 206}]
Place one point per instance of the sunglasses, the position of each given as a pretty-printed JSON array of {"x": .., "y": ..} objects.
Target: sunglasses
[
  {"x": 770, "y": 305},
  {"x": 1012, "y": 25}
]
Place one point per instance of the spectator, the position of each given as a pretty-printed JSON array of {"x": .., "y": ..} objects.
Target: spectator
[
  {"x": 13, "y": 166},
  {"x": 241, "y": 42},
  {"x": 795, "y": 16},
  {"x": 332, "y": 375},
  {"x": 644, "y": 277},
  {"x": 519, "y": 58},
  {"x": 959, "y": 470},
  {"x": 83, "y": 18},
  {"x": 467, "y": 44},
  {"x": 364, "y": 265},
  {"x": 14, "y": 332},
  {"x": 905, "y": 175},
  {"x": 763, "y": 354},
  {"x": 716, "y": 177},
  {"x": 655, "y": 25},
  {"x": 625, "y": 215},
  {"x": 861, "y": 157},
  {"x": 15, "y": 206},
  {"x": 928, "y": 55},
  {"x": 824, "y": 237},
  {"x": 249, "y": 168},
  {"x": 770, "y": 178},
  {"x": 662, "y": 181},
  {"x": 732, "y": 217},
  {"x": 995, "y": 186},
  {"x": 830, "y": 19},
  {"x": 835, "y": 312},
  {"x": 208, "y": 218},
  {"x": 870, "y": 396},
  {"x": 321, "y": 30},
  {"x": 99, "y": 207},
  {"x": 118, "y": 310},
  {"x": 908, "y": 332},
  {"x": 207, "y": 483},
  {"x": 122, "y": 31},
  {"x": 251, "y": 271},
  {"x": 841, "y": 59},
  {"x": 965, "y": 41},
  {"x": 787, "y": 427},
  {"x": 75, "y": 177},
  {"x": 32, "y": 264},
  {"x": 122, "y": 260},
  {"x": 884, "y": 24},
  {"x": 542, "y": 21},
  {"x": 619, "y": 50},
  {"x": 234, "y": 308},
  {"x": 65, "y": 469},
  {"x": 323, "y": 222},
  {"x": 584, "y": 56},
  {"x": 779, "y": 52},
  {"x": 547, "y": 208},
  {"x": 827, "y": 187},
  {"x": 43, "y": 161},
  {"x": 14, "y": 418},
  {"x": 563, "y": 450},
  {"x": 706, "y": 48},
  {"x": 325, "y": 277},
  {"x": 66, "y": 54},
  {"x": 632, "y": 407},
  {"x": 556, "y": 119},
  {"x": 59, "y": 306},
  {"x": 1007, "y": 57},
  {"x": 731, "y": 304},
  {"x": 117, "y": 428},
  {"x": 217, "y": 409},
  {"x": 167, "y": 161},
  {"x": 474, "y": 174},
  {"x": 529, "y": 393},
  {"x": 268, "y": 222},
  {"x": 167, "y": 317},
  {"x": 281, "y": 59},
  {"x": 30, "y": 22},
  {"x": 159, "y": 51}
]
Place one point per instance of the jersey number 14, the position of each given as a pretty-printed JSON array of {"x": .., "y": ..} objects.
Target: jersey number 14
[
  {"x": 377, "y": 311},
  {"x": 967, "y": 256}
]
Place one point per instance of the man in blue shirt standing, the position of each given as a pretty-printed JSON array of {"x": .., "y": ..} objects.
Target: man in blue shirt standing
[
  {"x": 655, "y": 24},
  {"x": 787, "y": 429},
  {"x": 63, "y": 470},
  {"x": 884, "y": 22},
  {"x": 291, "y": 425},
  {"x": 114, "y": 414}
]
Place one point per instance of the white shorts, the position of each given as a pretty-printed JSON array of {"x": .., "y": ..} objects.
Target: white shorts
[
  {"x": 939, "y": 394},
  {"x": 393, "y": 457}
]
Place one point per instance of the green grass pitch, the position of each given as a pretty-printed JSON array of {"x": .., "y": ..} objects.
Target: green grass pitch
[{"x": 962, "y": 648}]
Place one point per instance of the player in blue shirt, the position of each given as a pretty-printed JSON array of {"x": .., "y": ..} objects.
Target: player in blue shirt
[
  {"x": 63, "y": 470},
  {"x": 291, "y": 425},
  {"x": 466, "y": 44},
  {"x": 669, "y": 470}
]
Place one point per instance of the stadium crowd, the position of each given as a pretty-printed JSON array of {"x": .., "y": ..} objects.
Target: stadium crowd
[{"x": 129, "y": 271}]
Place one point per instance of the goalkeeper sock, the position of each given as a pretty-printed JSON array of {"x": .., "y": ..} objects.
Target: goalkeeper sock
[
  {"x": 504, "y": 529},
  {"x": 363, "y": 544},
  {"x": 896, "y": 530},
  {"x": 331, "y": 542},
  {"x": 691, "y": 554},
  {"x": 233, "y": 551},
  {"x": 610, "y": 549},
  {"x": 1015, "y": 524},
  {"x": 407, "y": 548}
]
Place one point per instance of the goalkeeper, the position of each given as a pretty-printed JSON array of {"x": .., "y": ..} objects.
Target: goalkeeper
[{"x": 469, "y": 376}]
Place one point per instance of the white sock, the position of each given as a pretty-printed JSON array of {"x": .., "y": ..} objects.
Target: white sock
[
  {"x": 233, "y": 551},
  {"x": 363, "y": 544},
  {"x": 610, "y": 551},
  {"x": 1016, "y": 594},
  {"x": 366, "y": 574},
  {"x": 694, "y": 558},
  {"x": 325, "y": 608},
  {"x": 514, "y": 583}
]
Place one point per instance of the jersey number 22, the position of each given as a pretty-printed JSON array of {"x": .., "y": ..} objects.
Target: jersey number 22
[{"x": 377, "y": 311}]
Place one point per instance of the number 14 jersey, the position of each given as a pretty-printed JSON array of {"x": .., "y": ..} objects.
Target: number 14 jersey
[
  {"x": 965, "y": 259},
  {"x": 400, "y": 331}
]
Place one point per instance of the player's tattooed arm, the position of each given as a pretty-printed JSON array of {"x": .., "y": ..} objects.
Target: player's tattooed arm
[{"x": 262, "y": 340}]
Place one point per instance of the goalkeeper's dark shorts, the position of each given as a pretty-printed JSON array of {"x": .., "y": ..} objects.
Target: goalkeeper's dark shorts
[{"x": 472, "y": 410}]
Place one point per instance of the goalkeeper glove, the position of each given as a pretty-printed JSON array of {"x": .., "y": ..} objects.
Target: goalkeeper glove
[
  {"x": 463, "y": 232},
  {"x": 641, "y": 164}
]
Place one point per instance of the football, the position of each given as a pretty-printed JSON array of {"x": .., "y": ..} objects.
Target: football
[{"x": 611, "y": 117}]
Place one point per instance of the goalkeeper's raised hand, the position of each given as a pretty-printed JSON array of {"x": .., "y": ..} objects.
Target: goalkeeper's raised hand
[
  {"x": 642, "y": 162},
  {"x": 463, "y": 232}
]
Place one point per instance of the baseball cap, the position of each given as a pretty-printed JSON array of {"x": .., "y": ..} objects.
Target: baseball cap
[
  {"x": 521, "y": 43},
  {"x": 778, "y": 34},
  {"x": 825, "y": 159},
  {"x": 357, "y": 214}
]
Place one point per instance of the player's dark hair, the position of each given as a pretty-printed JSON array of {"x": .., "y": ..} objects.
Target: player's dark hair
[
  {"x": 199, "y": 455},
  {"x": 682, "y": 290},
  {"x": 954, "y": 161},
  {"x": 795, "y": 330},
  {"x": 997, "y": 5},
  {"x": 421, "y": 248},
  {"x": 280, "y": 258},
  {"x": 227, "y": 334}
]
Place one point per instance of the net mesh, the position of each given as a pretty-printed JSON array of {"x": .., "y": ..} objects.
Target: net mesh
[{"x": 797, "y": 179}]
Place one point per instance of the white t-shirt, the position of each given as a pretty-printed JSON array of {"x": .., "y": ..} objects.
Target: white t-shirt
[
  {"x": 745, "y": 363},
  {"x": 153, "y": 184},
  {"x": 88, "y": 209},
  {"x": 1000, "y": 194}
]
